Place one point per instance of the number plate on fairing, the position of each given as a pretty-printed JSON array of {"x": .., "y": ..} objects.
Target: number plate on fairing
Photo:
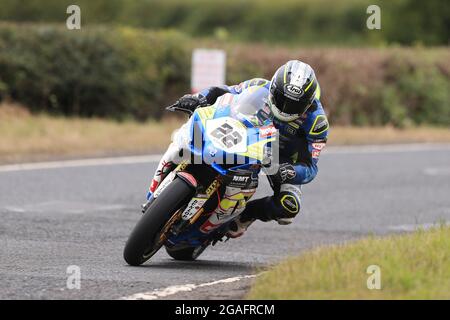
[{"x": 227, "y": 134}]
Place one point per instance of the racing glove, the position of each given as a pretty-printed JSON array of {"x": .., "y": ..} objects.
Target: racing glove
[
  {"x": 188, "y": 103},
  {"x": 286, "y": 171}
]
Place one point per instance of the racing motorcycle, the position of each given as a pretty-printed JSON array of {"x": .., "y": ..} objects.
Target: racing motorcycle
[{"x": 224, "y": 147}]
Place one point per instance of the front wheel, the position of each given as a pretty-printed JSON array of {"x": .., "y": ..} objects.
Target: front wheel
[{"x": 145, "y": 240}]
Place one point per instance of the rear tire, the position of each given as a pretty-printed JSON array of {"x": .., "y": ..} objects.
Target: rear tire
[
  {"x": 186, "y": 254},
  {"x": 142, "y": 243}
]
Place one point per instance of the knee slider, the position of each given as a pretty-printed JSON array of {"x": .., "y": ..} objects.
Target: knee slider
[{"x": 289, "y": 199}]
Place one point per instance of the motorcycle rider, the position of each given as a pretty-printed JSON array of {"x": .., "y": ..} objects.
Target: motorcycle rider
[{"x": 294, "y": 107}]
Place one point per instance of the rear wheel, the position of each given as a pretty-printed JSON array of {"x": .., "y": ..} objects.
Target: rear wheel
[
  {"x": 186, "y": 253},
  {"x": 148, "y": 234}
]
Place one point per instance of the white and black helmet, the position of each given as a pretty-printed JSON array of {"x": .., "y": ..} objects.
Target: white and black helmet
[{"x": 292, "y": 90}]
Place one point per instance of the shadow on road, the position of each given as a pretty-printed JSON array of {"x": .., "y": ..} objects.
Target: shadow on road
[{"x": 202, "y": 265}]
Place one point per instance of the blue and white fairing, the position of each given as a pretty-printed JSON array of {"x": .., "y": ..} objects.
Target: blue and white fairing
[{"x": 230, "y": 135}]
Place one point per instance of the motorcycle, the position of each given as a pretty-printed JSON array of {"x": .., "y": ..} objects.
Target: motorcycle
[{"x": 224, "y": 147}]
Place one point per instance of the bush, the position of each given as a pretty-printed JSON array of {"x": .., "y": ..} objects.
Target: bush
[
  {"x": 422, "y": 91},
  {"x": 102, "y": 72}
]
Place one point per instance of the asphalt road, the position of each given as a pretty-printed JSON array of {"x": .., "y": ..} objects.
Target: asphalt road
[{"x": 56, "y": 217}]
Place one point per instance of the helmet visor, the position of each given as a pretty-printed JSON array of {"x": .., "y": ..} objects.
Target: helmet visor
[{"x": 289, "y": 106}]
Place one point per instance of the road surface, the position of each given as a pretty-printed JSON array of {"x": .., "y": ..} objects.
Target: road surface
[{"x": 81, "y": 213}]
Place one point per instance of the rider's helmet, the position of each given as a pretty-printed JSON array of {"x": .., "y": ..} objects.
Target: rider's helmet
[{"x": 292, "y": 90}]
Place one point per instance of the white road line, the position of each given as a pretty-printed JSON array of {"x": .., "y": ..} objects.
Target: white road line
[
  {"x": 437, "y": 171},
  {"x": 81, "y": 163},
  {"x": 156, "y": 157},
  {"x": 415, "y": 227},
  {"x": 161, "y": 293},
  {"x": 413, "y": 147}
]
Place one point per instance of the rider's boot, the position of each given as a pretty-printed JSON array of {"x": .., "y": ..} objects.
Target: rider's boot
[
  {"x": 260, "y": 209},
  {"x": 238, "y": 226}
]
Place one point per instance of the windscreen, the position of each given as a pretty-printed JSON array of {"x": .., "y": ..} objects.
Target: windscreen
[{"x": 248, "y": 104}]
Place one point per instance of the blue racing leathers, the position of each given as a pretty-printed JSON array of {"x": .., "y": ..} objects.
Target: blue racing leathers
[{"x": 301, "y": 142}]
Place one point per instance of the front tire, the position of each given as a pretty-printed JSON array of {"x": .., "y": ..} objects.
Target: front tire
[{"x": 143, "y": 241}]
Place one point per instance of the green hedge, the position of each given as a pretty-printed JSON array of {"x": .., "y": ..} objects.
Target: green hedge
[
  {"x": 296, "y": 22},
  {"x": 98, "y": 72},
  {"x": 124, "y": 72}
]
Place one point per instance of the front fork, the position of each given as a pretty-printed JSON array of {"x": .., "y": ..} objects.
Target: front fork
[
  {"x": 151, "y": 196},
  {"x": 196, "y": 207}
]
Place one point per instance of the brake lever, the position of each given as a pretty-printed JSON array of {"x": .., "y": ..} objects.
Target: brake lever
[{"x": 173, "y": 107}]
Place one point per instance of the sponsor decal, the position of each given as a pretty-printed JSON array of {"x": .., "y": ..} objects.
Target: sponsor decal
[
  {"x": 212, "y": 188},
  {"x": 267, "y": 131},
  {"x": 245, "y": 182},
  {"x": 293, "y": 90},
  {"x": 318, "y": 145},
  {"x": 315, "y": 154},
  {"x": 287, "y": 172},
  {"x": 317, "y": 148},
  {"x": 291, "y": 130},
  {"x": 164, "y": 184},
  {"x": 289, "y": 203},
  {"x": 320, "y": 125},
  {"x": 194, "y": 205},
  {"x": 239, "y": 181},
  {"x": 182, "y": 166},
  {"x": 240, "y": 178}
]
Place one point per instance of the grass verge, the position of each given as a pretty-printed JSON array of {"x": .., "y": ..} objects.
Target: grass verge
[
  {"x": 413, "y": 266},
  {"x": 26, "y": 137}
]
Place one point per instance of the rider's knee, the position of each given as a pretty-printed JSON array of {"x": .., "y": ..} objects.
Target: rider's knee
[{"x": 289, "y": 201}]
